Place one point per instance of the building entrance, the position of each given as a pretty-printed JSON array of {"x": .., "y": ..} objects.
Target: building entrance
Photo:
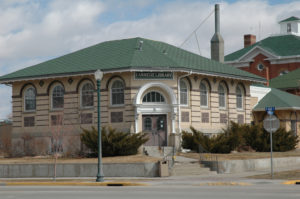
[{"x": 156, "y": 128}]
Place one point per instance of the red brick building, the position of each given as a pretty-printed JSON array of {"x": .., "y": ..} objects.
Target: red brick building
[{"x": 273, "y": 56}]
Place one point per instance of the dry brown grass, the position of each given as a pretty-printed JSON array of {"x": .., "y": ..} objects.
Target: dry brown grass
[
  {"x": 242, "y": 155},
  {"x": 284, "y": 175},
  {"x": 49, "y": 159}
]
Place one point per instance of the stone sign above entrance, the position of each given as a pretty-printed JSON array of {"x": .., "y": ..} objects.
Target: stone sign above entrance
[{"x": 153, "y": 75}]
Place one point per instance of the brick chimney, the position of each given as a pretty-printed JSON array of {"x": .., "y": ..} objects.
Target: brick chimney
[{"x": 249, "y": 40}]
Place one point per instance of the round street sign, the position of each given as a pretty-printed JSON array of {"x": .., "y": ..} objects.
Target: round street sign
[{"x": 271, "y": 123}]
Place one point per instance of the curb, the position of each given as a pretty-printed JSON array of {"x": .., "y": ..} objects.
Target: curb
[
  {"x": 225, "y": 184},
  {"x": 71, "y": 184},
  {"x": 292, "y": 182}
]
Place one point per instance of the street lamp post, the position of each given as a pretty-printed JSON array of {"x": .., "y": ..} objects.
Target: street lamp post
[{"x": 100, "y": 176}]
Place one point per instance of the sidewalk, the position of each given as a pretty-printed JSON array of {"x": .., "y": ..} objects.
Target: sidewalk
[{"x": 234, "y": 179}]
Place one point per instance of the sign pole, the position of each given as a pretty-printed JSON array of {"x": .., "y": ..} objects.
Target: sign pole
[
  {"x": 271, "y": 144},
  {"x": 271, "y": 124}
]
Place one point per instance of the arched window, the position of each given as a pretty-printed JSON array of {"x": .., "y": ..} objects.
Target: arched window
[
  {"x": 87, "y": 95},
  {"x": 203, "y": 94},
  {"x": 117, "y": 93},
  {"x": 222, "y": 96},
  {"x": 58, "y": 97},
  {"x": 153, "y": 97},
  {"x": 183, "y": 93},
  {"x": 239, "y": 97},
  {"x": 30, "y": 99}
]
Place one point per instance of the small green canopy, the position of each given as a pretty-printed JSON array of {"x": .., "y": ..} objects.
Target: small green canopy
[
  {"x": 281, "y": 100},
  {"x": 286, "y": 81}
]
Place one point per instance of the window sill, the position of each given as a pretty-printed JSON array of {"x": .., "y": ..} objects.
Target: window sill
[
  {"x": 184, "y": 105},
  {"x": 29, "y": 112},
  {"x": 87, "y": 108},
  {"x": 240, "y": 110},
  {"x": 117, "y": 106},
  {"x": 56, "y": 110},
  {"x": 204, "y": 107}
]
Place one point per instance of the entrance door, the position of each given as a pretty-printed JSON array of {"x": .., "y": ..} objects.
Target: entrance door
[{"x": 156, "y": 128}]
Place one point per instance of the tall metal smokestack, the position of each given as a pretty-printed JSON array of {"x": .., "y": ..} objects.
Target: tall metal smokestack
[{"x": 217, "y": 42}]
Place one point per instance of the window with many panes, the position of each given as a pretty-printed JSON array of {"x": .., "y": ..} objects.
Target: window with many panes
[
  {"x": 223, "y": 118},
  {"x": 222, "y": 96},
  {"x": 185, "y": 116},
  {"x": 30, "y": 99},
  {"x": 58, "y": 97},
  {"x": 28, "y": 121},
  {"x": 56, "y": 120},
  {"x": 148, "y": 124},
  {"x": 86, "y": 118},
  {"x": 205, "y": 117},
  {"x": 87, "y": 95},
  {"x": 203, "y": 94},
  {"x": 116, "y": 117},
  {"x": 154, "y": 97},
  {"x": 239, "y": 97},
  {"x": 117, "y": 93},
  {"x": 183, "y": 93},
  {"x": 240, "y": 119},
  {"x": 294, "y": 126}
]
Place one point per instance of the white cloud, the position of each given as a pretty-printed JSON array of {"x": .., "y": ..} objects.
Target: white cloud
[{"x": 33, "y": 31}]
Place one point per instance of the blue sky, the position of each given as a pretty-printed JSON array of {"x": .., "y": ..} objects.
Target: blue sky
[{"x": 32, "y": 31}]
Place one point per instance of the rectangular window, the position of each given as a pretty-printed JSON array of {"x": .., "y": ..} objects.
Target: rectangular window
[
  {"x": 185, "y": 116},
  {"x": 205, "y": 117},
  {"x": 28, "y": 121},
  {"x": 86, "y": 118},
  {"x": 240, "y": 119},
  {"x": 183, "y": 98},
  {"x": 221, "y": 100},
  {"x": 289, "y": 28},
  {"x": 294, "y": 126},
  {"x": 56, "y": 120},
  {"x": 239, "y": 102},
  {"x": 223, "y": 118},
  {"x": 116, "y": 117},
  {"x": 203, "y": 99}
]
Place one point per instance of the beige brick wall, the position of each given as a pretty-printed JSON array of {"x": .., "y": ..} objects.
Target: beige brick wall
[{"x": 72, "y": 110}]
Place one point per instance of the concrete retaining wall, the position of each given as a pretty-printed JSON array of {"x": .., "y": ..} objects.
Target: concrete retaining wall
[
  {"x": 235, "y": 166},
  {"x": 78, "y": 170}
]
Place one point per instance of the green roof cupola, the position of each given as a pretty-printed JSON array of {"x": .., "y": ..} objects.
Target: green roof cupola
[{"x": 290, "y": 25}]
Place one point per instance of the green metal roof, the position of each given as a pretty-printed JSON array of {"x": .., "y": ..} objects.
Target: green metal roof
[
  {"x": 283, "y": 45},
  {"x": 289, "y": 80},
  {"x": 281, "y": 100},
  {"x": 126, "y": 55},
  {"x": 290, "y": 19}
]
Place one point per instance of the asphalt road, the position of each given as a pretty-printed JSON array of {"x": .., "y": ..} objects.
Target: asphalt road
[{"x": 264, "y": 191}]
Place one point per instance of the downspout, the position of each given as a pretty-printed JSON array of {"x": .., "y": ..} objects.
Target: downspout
[
  {"x": 296, "y": 123},
  {"x": 267, "y": 75},
  {"x": 178, "y": 93}
]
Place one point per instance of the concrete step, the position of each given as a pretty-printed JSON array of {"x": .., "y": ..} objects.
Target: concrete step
[
  {"x": 186, "y": 169},
  {"x": 156, "y": 151}
]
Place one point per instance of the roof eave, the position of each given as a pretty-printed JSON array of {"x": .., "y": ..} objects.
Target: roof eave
[
  {"x": 268, "y": 53},
  {"x": 278, "y": 109},
  {"x": 132, "y": 69}
]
